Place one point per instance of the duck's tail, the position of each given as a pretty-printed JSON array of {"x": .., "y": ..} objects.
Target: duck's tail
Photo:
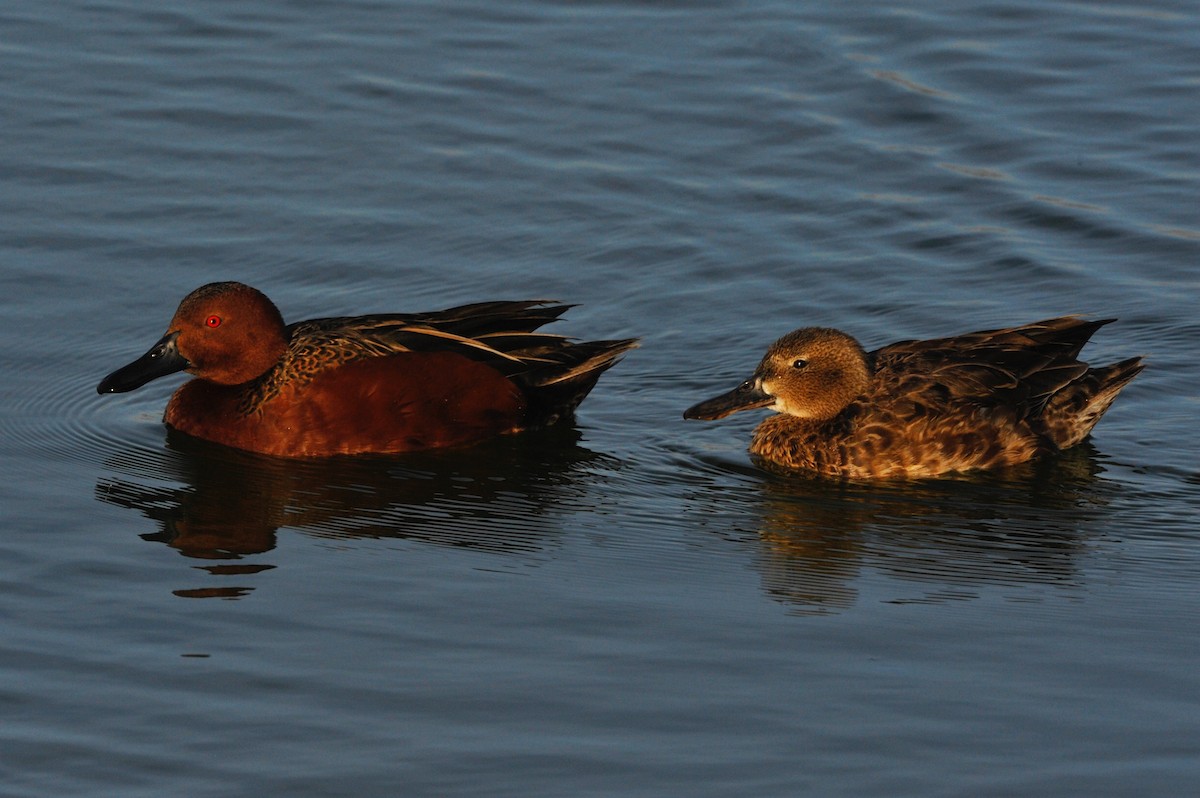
[
  {"x": 1074, "y": 409},
  {"x": 566, "y": 374}
]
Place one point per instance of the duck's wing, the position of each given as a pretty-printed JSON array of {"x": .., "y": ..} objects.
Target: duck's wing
[
  {"x": 503, "y": 334},
  {"x": 1018, "y": 367},
  {"x": 553, "y": 371}
]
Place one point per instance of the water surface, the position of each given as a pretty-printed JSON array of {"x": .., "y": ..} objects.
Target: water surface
[{"x": 627, "y": 606}]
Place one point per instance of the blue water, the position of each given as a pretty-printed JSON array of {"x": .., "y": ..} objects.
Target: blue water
[{"x": 628, "y": 606}]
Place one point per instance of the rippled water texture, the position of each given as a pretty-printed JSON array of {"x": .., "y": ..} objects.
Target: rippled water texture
[{"x": 628, "y": 606}]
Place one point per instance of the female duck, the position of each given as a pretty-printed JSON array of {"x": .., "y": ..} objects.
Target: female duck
[
  {"x": 385, "y": 383},
  {"x": 923, "y": 408}
]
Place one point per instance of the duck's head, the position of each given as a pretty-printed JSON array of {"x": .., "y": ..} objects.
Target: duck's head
[
  {"x": 226, "y": 333},
  {"x": 811, "y": 373}
]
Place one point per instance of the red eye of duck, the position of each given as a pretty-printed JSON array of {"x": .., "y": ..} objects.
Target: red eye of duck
[{"x": 213, "y": 321}]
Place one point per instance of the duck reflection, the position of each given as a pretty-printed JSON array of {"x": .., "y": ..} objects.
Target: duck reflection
[
  {"x": 947, "y": 537},
  {"x": 215, "y": 503}
]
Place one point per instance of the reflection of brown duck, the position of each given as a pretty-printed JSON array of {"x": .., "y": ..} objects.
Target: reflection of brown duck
[
  {"x": 383, "y": 383},
  {"x": 936, "y": 540},
  {"x": 924, "y": 408}
]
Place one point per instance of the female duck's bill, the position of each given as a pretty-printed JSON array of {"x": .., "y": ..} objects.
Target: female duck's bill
[
  {"x": 379, "y": 383},
  {"x": 923, "y": 408},
  {"x": 747, "y": 396}
]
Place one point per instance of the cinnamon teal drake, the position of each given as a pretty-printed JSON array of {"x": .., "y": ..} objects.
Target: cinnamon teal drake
[
  {"x": 354, "y": 384},
  {"x": 923, "y": 408}
]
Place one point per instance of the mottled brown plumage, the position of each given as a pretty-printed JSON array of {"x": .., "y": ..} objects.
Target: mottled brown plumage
[{"x": 923, "y": 408}]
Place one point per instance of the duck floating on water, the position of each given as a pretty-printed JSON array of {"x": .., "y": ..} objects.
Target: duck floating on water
[
  {"x": 924, "y": 408},
  {"x": 354, "y": 384}
]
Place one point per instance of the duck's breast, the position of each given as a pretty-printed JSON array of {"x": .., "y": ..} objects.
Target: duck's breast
[{"x": 402, "y": 402}]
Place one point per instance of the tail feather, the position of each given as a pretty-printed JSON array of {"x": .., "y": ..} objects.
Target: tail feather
[
  {"x": 1073, "y": 411},
  {"x": 555, "y": 389}
]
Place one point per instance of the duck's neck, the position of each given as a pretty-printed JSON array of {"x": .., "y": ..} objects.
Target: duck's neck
[{"x": 790, "y": 440}]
